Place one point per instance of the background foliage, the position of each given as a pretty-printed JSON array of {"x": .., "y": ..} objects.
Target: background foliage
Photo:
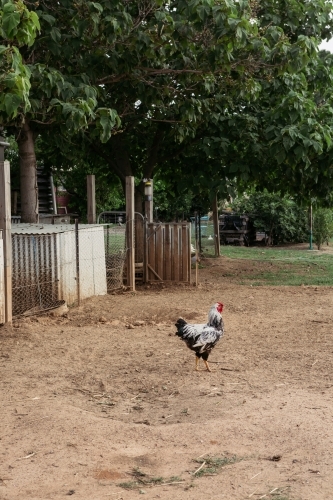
[{"x": 278, "y": 216}]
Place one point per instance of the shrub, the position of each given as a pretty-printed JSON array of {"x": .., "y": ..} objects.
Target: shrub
[
  {"x": 322, "y": 226},
  {"x": 278, "y": 216}
]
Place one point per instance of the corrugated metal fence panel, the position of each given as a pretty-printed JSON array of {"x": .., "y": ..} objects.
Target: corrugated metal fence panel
[{"x": 169, "y": 252}]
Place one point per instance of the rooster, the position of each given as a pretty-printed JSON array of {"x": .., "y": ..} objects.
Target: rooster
[{"x": 201, "y": 338}]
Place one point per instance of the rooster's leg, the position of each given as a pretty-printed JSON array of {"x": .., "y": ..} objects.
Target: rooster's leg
[
  {"x": 197, "y": 359},
  {"x": 205, "y": 358},
  {"x": 207, "y": 365}
]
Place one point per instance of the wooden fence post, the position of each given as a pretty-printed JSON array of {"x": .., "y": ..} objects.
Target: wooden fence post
[
  {"x": 130, "y": 232},
  {"x": 5, "y": 226},
  {"x": 149, "y": 200},
  {"x": 216, "y": 227},
  {"x": 91, "y": 199}
]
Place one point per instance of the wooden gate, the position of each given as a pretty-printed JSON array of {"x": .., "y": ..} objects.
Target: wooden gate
[{"x": 168, "y": 252}]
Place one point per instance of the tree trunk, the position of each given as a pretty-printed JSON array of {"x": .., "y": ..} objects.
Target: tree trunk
[{"x": 28, "y": 175}]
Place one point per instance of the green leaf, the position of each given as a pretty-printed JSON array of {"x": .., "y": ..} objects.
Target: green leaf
[
  {"x": 10, "y": 20},
  {"x": 34, "y": 18},
  {"x": 97, "y": 6},
  {"x": 55, "y": 34},
  {"x": 11, "y": 104},
  {"x": 48, "y": 18},
  {"x": 281, "y": 156}
]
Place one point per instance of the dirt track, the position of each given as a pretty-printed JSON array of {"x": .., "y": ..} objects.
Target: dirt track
[{"x": 89, "y": 399}]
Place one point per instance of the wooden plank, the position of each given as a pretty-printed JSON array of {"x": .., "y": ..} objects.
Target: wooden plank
[
  {"x": 151, "y": 263},
  {"x": 145, "y": 252},
  {"x": 130, "y": 232},
  {"x": 91, "y": 199},
  {"x": 188, "y": 251},
  {"x": 5, "y": 226},
  {"x": 167, "y": 252},
  {"x": 139, "y": 237},
  {"x": 159, "y": 249},
  {"x": 184, "y": 256},
  {"x": 154, "y": 230},
  {"x": 155, "y": 273},
  {"x": 180, "y": 235},
  {"x": 176, "y": 252}
]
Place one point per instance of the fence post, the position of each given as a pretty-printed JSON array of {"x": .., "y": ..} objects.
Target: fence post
[
  {"x": 145, "y": 250},
  {"x": 216, "y": 227},
  {"x": 77, "y": 253},
  {"x": 130, "y": 232},
  {"x": 5, "y": 226},
  {"x": 91, "y": 199},
  {"x": 149, "y": 199}
]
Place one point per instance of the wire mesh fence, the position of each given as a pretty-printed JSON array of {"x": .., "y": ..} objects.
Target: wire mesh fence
[
  {"x": 202, "y": 230},
  {"x": 115, "y": 254},
  {"x": 35, "y": 273}
]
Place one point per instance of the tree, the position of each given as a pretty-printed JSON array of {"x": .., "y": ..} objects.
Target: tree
[
  {"x": 280, "y": 138},
  {"x": 181, "y": 75},
  {"x": 18, "y": 27},
  {"x": 40, "y": 88}
]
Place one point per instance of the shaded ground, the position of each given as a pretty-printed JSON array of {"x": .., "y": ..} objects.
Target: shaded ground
[{"x": 108, "y": 395}]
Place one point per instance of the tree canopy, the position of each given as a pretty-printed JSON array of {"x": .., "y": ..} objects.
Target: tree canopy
[{"x": 204, "y": 93}]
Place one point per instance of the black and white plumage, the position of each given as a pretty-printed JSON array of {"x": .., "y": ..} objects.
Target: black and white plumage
[{"x": 202, "y": 338}]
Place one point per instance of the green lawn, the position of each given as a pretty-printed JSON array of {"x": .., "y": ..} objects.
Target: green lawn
[{"x": 270, "y": 266}]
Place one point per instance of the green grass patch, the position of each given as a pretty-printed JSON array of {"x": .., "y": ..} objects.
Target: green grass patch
[
  {"x": 212, "y": 465},
  {"x": 272, "y": 266},
  {"x": 141, "y": 479}
]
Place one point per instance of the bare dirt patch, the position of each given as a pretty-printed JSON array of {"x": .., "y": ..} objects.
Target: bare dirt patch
[{"x": 109, "y": 396}]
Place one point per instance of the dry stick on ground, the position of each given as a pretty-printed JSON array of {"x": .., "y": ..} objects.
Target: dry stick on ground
[
  {"x": 167, "y": 484},
  {"x": 201, "y": 466},
  {"x": 253, "y": 493},
  {"x": 28, "y": 456}
]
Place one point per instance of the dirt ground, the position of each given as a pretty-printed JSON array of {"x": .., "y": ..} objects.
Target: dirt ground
[{"x": 109, "y": 395}]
